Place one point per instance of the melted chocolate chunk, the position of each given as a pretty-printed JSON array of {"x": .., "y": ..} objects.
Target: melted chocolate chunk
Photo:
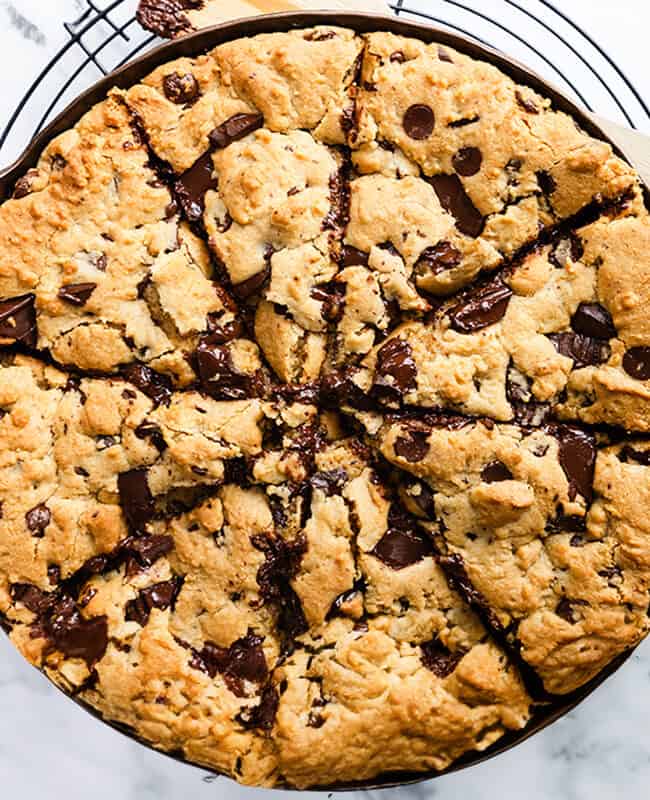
[
  {"x": 235, "y": 128},
  {"x": 592, "y": 319},
  {"x": 402, "y": 545},
  {"x": 577, "y": 454},
  {"x": 467, "y": 161},
  {"x": 182, "y": 89},
  {"x": 395, "y": 370},
  {"x": 455, "y": 200},
  {"x": 281, "y": 563},
  {"x": 495, "y": 471},
  {"x": 481, "y": 307},
  {"x": 161, "y": 596},
  {"x": 222, "y": 334},
  {"x": 135, "y": 498},
  {"x": 37, "y": 520},
  {"x": 18, "y": 321},
  {"x": 330, "y": 482},
  {"x": 243, "y": 661},
  {"x": 151, "y": 431},
  {"x": 339, "y": 389},
  {"x": 77, "y": 294},
  {"x": 414, "y": 447},
  {"x": 220, "y": 378},
  {"x": 166, "y": 18},
  {"x": 567, "y": 249},
  {"x": 351, "y": 257},
  {"x": 439, "y": 659},
  {"x": 526, "y": 104},
  {"x": 566, "y": 609},
  {"x": 191, "y": 187},
  {"x": 584, "y": 350},
  {"x": 261, "y": 716},
  {"x": 636, "y": 362},
  {"x": 419, "y": 121},
  {"x": 332, "y": 296},
  {"x": 438, "y": 258},
  {"x": 546, "y": 182},
  {"x": 252, "y": 285},
  {"x": 145, "y": 550},
  {"x": 454, "y": 568},
  {"x": 31, "y": 597},
  {"x": 156, "y": 386},
  {"x": 628, "y": 453},
  {"x": 422, "y": 496}
]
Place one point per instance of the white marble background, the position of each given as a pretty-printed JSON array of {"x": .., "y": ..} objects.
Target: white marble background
[{"x": 50, "y": 747}]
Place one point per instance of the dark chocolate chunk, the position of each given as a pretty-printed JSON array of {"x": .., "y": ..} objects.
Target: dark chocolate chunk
[
  {"x": 455, "y": 200},
  {"x": 243, "y": 661},
  {"x": 592, "y": 319},
  {"x": 546, "y": 182},
  {"x": 18, "y": 321},
  {"x": 74, "y": 635},
  {"x": 149, "y": 382},
  {"x": 351, "y": 257},
  {"x": 454, "y": 568},
  {"x": 151, "y": 431},
  {"x": 146, "y": 550},
  {"x": 218, "y": 374},
  {"x": 526, "y": 103},
  {"x": 33, "y": 598},
  {"x": 628, "y": 453},
  {"x": 402, "y": 545},
  {"x": 135, "y": 498},
  {"x": 481, "y": 307},
  {"x": 191, "y": 187},
  {"x": 467, "y": 161},
  {"x": 37, "y": 519},
  {"x": 567, "y": 249},
  {"x": 419, "y": 121},
  {"x": 439, "y": 659},
  {"x": 235, "y": 128},
  {"x": 395, "y": 370},
  {"x": 261, "y": 716},
  {"x": 461, "y": 123},
  {"x": 566, "y": 609},
  {"x": 332, "y": 296},
  {"x": 182, "y": 89},
  {"x": 224, "y": 333},
  {"x": 636, "y": 362},
  {"x": 495, "y": 471},
  {"x": 77, "y": 294},
  {"x": 338, "y": 389},
  {"x": 330, "y": 482},
  {"x": 438, "y": 258},
  {"x": 584, "y": 350},
  {"x": 253, "y": 284},
  {"x": 161, "y": 595},
  {"x": 443, "y": 55},
  {"x": 412, "y": 447},
  {"x": 166, "y": 18},
  {"x": 577, "y": 454}
]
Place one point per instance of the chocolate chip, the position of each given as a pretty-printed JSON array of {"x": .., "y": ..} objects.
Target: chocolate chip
[
  {"x": 160, "y": 595},
  {"x": 577, "y": 455},
  {"x": 526, "y": 103},
  {"x": 455, "y": 200},
  {"x": 151, "y": 431},
  {"x": 584, "y": 350},
  {"x": 18, "y": 321},
  {"x": 182, "y": 89},
  {"x": 546, "y": 182},
  {"x": 439, "y": 659},
  {"x": 135, "y": 498},
  {"x": 438, "y": 258},
  {"x": 397, "y": 57},
  {"x": 566, "y": 608},
  {"x": 481, "y": 307},
  {"x": 191, "y": 187},
  {"x": 235, "y": 128},
  {"x": 149, "y": 382},
  {"x": 467, "y": 161},
  {"x": 37, "y": 519},
  {"x": 330, "y": 482},
  {"x": 261, "y": 716},
  {"x": 351, "y": 257},
  {"x": 592, "y": 319},
  {"x": 443, "y": 55},
  {"x": 413, "y": 447},
  {"x": 252, "y": 285},
  {"x": 495, "y": 471},
  {"x": 402, "y": 545},
  {"x": 77, "y": 294},
  {"x": 567, "y": 249},
  {"x": 636, "y": 362},
  {"x": 24, "y": 185},
  {"x": 419, "y": 121},
  {"x": 166, "y": 18},
  {"x": 395, "y": 370},
  {"x": 628, "y": 453},
  {"x": 218, "y": 374}
]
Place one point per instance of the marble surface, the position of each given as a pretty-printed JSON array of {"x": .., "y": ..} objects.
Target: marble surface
[{"x": 49, "y": 746}]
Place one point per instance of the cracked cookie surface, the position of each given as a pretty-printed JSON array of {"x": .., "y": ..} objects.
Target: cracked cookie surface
[{"x": 324, "y": 382}]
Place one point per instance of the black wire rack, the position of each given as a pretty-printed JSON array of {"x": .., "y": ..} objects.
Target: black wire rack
[{"x": 107, "y": 35}]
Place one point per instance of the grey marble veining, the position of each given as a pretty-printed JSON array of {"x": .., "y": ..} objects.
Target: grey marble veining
[{"x": 50, "y": 747}]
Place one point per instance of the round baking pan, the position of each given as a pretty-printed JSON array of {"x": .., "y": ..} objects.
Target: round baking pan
[{"x": 549, "y": 709}]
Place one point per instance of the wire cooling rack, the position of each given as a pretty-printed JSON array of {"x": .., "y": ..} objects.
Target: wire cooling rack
[{"x": 107, "y": 35}]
